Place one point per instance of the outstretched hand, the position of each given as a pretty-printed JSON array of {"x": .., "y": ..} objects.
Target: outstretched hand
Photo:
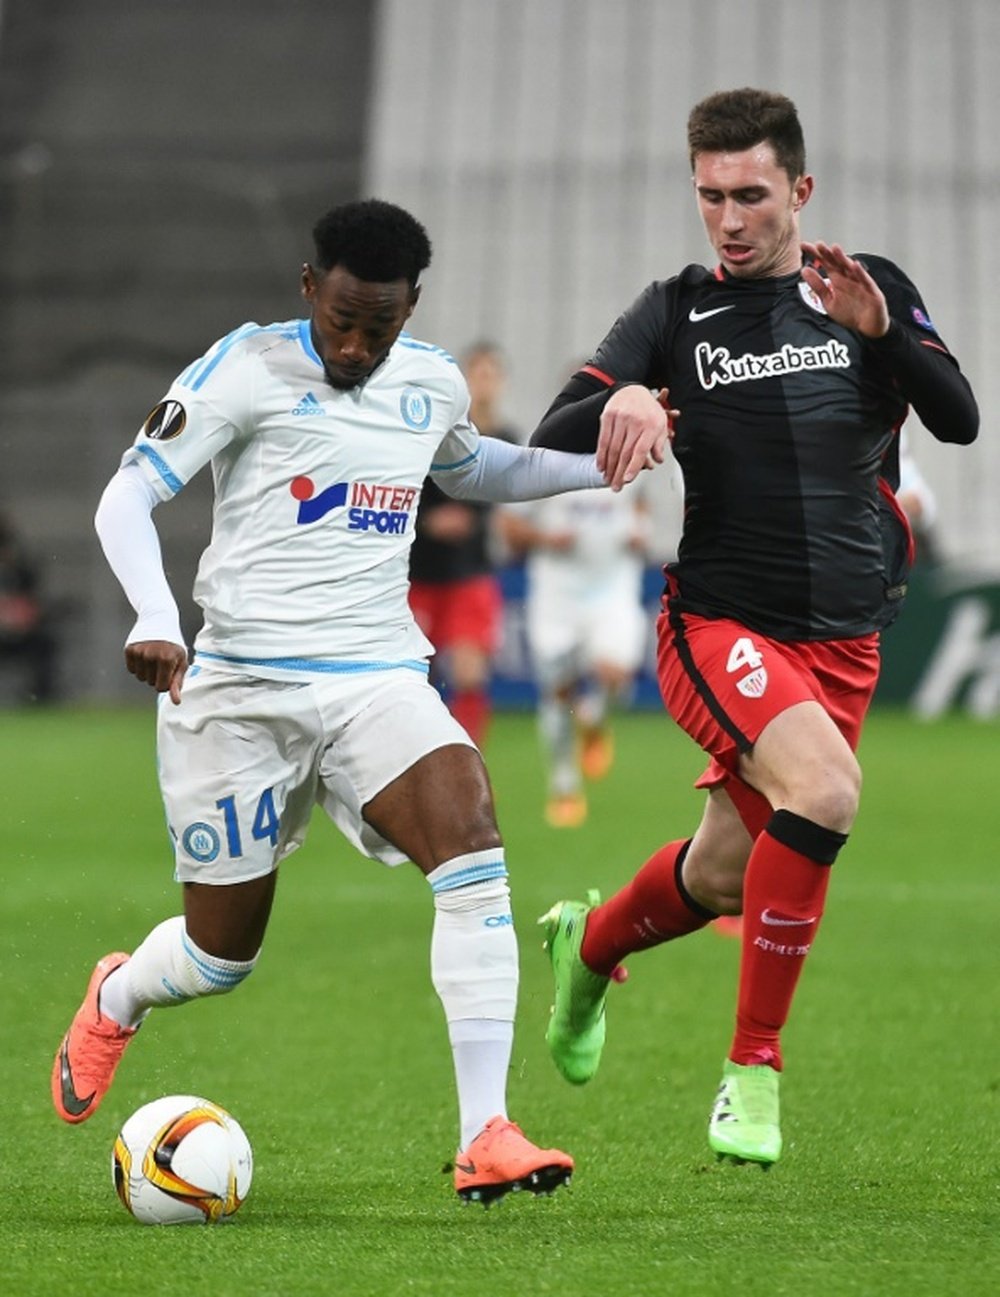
[
  {"x": 634, "y": 433},
  {"x": 158, "y": 663},
  {"x": 849, "y": 294}
]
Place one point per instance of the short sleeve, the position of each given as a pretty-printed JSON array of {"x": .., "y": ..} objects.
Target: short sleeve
[
  {"x": 460, "y": 444},
  {"x": 207, "y": 406}
]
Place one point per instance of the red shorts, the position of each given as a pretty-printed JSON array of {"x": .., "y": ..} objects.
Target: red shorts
[
  {"x": 723, "y": 683},
  {"x": 459, "y": 612}
]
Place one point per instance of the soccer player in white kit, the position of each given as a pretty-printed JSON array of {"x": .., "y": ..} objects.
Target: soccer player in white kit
[
  {"x": 586, "y": 628},
  {"x": 309, "y": 680}
]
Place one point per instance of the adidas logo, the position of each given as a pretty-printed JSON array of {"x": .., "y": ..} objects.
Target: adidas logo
[{"x": 308, "y": 405}]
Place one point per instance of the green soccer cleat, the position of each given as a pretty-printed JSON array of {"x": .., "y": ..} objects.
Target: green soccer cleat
[
  {"x": 744, "y": 1122},
  {"x": 575, "y": 1034}
]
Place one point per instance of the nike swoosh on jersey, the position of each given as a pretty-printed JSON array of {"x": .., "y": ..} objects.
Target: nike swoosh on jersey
[
  {"x": 776, "y": 920},
  {"x": 71, "y": 1102},
  {"x": 694, "y": 315}
]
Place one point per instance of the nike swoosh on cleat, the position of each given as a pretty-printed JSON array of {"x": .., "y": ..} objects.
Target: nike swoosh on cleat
[
  {"x": 694, "y": 315},
  {"x": 467, "y": 1169},
  {"x": 71, "y": 1102},
  {"x": 776, "y": 921}
]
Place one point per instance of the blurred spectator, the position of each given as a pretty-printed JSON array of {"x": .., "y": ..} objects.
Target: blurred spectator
[
  {"x": 27, "y": 636},
  {"x": 454, "y": 593},
  {"x": 586, "y": 627}
]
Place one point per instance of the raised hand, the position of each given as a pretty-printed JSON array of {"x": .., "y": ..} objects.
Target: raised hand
[{"x": 848, "y": 293}]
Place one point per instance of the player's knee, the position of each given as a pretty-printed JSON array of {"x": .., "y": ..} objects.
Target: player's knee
[
  {"x": 833, "y": 799},
  {"x": 477, "y": 827}
]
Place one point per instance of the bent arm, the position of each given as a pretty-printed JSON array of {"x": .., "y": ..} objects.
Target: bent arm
[
  {"x": 878, "y": 301},
  {"x": 131, "y": 545},
  {"x": 573, "y": 420},
  {"x": 500, "y": 471},
  {"x": 154, "y": 650},
  {"x": 932, "y": 383}
]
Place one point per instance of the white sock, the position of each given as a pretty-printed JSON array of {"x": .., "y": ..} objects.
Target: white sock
[
  {"x": 167, "y": 968},
  {"x": 474, "y": 969},
  {"x": 481, "y": 1051},
  {"x": 592, "y": 707},
  {"x": 555, "y": 727}
]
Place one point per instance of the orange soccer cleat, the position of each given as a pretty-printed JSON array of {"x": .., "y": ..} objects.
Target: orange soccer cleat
[
  {"x": 597, "y": 753},
  {"x": 500, "y": 1160},
  {"x": 90, "y": 1052},
  {"x": 566, "y": 811}
]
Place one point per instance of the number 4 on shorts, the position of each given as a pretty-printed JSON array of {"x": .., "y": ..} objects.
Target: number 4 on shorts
[{"x": 743, "y": 654}]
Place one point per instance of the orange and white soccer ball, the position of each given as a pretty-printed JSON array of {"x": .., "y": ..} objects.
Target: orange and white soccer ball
[{"x": 182, "y": 1160}]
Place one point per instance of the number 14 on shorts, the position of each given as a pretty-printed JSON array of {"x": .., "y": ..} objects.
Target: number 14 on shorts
[
  {"x": 203, "y": 842},
  {"x": 265, "y": 822}
]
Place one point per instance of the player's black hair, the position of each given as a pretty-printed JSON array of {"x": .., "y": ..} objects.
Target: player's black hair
[
  {"x": 374, "y": 240},
  {"x": 733, "y": 120}
]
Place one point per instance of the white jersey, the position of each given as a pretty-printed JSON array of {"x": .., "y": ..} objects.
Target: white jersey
[
  {"x": 601, "y": 559},
  {"x": 584, "y": 603},
  {"x": 316, "y": 493}
]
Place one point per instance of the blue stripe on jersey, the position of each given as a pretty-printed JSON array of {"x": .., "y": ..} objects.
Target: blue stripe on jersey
[
  {"x": 405, "y": 340},
  {"x": 161, "y": 466},
  {"x": 195, "y": 375},
  {"x": 474, "y": 874},
  {"x": 316, "y": 664},
  {"x": 305, "y": 339},
  {"x": 459, "y": 463}
]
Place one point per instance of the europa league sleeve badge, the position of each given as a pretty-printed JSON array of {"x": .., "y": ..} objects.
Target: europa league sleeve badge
[{"x": 165, "y": 421}]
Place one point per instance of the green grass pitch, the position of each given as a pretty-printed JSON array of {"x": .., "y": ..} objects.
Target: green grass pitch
[{"x": 334, "y": 1054}]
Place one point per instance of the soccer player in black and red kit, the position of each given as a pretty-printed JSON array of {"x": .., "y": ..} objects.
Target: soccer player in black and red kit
[
  {"x": 781, "y": 379},
  {"x": 454, "y": 591}
]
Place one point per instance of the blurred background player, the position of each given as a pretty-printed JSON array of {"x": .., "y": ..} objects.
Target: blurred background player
[
  {"x": 454, "y": 593},
  {"x": 918, "y": 502},
  {"x": 27, "y": 635},
  {"x": 586, "y": 629}
]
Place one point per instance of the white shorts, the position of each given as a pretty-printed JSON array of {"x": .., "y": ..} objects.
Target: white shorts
[
  {"x": 569, "y": 640},
  {"x": 243, "y": 761}
]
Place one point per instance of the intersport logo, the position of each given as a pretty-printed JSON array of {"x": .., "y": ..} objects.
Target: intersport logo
[{"x": 717, "y": 366}]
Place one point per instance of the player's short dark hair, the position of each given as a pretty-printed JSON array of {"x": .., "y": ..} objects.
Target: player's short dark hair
[
  {"x": 733, "y": 120},
  {"x": 376, "y": 241}
]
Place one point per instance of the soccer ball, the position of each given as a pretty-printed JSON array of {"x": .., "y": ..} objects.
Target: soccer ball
[{"x": 181, "y": 1160}]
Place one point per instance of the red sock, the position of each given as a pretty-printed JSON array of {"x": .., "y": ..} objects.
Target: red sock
[
  {"x": 654, "y": 907},
  {"x": 471, "y": 708},
  {"x": 783, "y": 895}
]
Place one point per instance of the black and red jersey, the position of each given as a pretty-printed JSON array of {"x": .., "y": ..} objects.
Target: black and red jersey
[{"x": 786, "y": 438}]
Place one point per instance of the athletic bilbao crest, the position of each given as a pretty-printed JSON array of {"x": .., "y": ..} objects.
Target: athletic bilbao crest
[{"x": 754, "y": 684}]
